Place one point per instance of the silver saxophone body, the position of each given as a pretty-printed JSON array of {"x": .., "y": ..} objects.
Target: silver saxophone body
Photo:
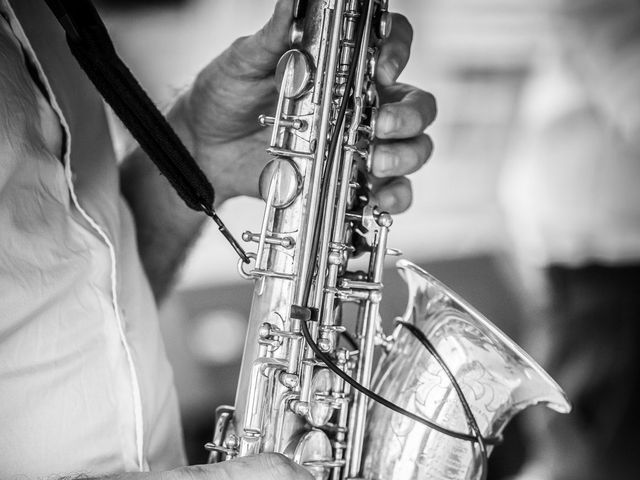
[{"x": 317, "y": 272}]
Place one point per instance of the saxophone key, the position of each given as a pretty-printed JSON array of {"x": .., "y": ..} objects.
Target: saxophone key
[
  {"x": 347, "y": 295},
  {"x": 367, "y": 217},
  {"x": 258, "y": 272},
  {"x": 325, "y": 344},
  {"x": 296, "y": 33},
  {"x": 332, "y": 328},
  {"x": 294, "y": 73},
  {"x": 328, "y": 399},
  {"x": 268, "y": 337},
  {"x": 283, "y": 152},
  {"x": 323, "y": 463},
  {"x": 289, "y": 380},
  {"x": 372, "y": 99},
  {"x": 372, "y": 64},
  {"x": 280, "y": 182},
  {"x": 299, "y": 407},
  {"x": 360, "y": 285},
  {"x": 384, "y": 25},
  {"x": 364, "y": 153},
  {"x": 313, "y": 451},
  {"x": 293, "y": 123},
  {"x": 328, "y": 332},
  {"x": 250, "y": 442},
  {"x": 333, "y": 428},
  {"x": 321, "y": 402},
  {"x": 229, "y": 452},
  {"x": 286, "y": 242}
]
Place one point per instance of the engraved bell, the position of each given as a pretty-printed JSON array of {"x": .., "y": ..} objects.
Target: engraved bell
[{"x": 497, "y": 377}]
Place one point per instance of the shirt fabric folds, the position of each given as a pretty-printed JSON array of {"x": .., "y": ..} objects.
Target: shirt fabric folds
[{"x": 85, "y": 385}]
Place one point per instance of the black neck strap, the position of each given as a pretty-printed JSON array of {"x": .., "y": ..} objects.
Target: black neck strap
[{"x": 90, "y": 44}]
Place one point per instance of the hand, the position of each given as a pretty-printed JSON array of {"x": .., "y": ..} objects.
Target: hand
[
  {"x": 222, "y": 107},
  {"x": 266, "y": 466}
]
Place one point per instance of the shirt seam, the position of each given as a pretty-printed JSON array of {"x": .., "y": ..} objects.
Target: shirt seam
[{"x": 15, "y": 26}]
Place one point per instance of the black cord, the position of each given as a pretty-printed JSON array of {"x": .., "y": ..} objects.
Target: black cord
[
  {"x": 471, "y": 419},
  {"x": 383, "y": 401}
]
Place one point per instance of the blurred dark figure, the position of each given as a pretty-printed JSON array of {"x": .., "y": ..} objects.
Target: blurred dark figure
[{"x": 573, "y": 197}]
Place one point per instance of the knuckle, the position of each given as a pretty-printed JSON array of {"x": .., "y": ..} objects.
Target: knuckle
[
  {"x": 403, "y": 53},
  {"x": 237, "y": 47},
  {"x": 234, "y": 62},
  {"x": 412, "y": 121},
  {"x": 398, "y": 47},
  {"x": 402, "y": 25},
  {"x": 431, "y": 106},
  {"x": 402, "y": 193},
  {"x": 419, "y": 159},
  {"x": 424, "y": 106},
  {"x": 406, "y": 199},
  {"x": 427, "y": 148}
]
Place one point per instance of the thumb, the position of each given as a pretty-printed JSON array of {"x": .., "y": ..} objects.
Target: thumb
[
  {"x": 265, "y": 466},
  {"x": 259, "y": 53}
]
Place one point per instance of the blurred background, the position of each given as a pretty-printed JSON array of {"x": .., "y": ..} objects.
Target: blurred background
[{"x": 482, "y": 60}]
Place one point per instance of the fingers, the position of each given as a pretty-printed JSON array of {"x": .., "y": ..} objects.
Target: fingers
[
  {"x": 409, "y": 111},
  {"x": 404, "y": 114},
  {"x": 391, "y": 192},
  {"x": 266, "y": 466},
  {"x": 394, "y": 52},
  {"x": 258, "y": 54},
  {"x": 401, "y": 157},
  {"x": 393, "y": 195}
]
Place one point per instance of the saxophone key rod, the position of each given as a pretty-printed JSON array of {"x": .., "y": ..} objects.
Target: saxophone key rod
[
  {"x": 283, "y": 152},
  {"x": 306, "y": 261},
  {"x": 286, "y": 242},
  {"x": 295, "y": 123}
]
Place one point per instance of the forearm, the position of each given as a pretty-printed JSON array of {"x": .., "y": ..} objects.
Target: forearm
[{"x": 165, "y": 226}]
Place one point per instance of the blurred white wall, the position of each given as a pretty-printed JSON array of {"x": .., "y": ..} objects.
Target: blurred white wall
[{"x": 472, "y": 55}]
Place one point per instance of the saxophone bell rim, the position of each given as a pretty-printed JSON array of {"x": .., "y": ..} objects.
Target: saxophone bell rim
[{"x": 560, "y": 405}]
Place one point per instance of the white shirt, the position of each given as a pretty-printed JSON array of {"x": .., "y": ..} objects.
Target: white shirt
[{"x": 85, "y": 386}]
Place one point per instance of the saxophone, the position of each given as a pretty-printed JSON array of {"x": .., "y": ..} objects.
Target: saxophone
[{"x": 447, "y": 381}]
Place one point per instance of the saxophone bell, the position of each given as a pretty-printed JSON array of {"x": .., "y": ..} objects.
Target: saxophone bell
[{"x": 498, "y": 380}]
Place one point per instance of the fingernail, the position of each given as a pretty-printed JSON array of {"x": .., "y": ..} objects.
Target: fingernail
[
  {"x": 387, "y": 162},
  {"x": 386, "y": 200},
  {"x": 387, "y": 123}
]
